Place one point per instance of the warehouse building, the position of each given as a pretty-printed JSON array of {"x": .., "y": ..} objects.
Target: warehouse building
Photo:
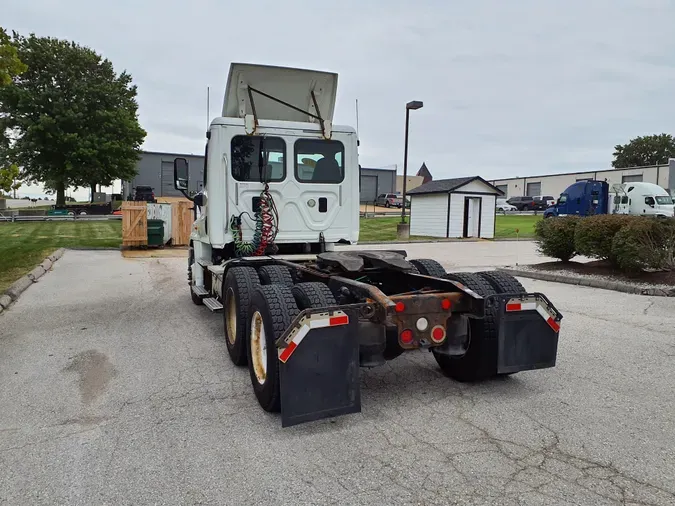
[
  {"x": 555, "y": 184},
  {"x": 155, "y": 169}
]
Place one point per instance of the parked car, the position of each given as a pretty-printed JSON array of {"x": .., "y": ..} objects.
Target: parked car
[
  {"x": 389, "y": 200},
  {"x": 145, "y": 194},
  {"x": 503, "y": 206},
  {"x": 522, "y": 203},
  {"x": 543, "y": 202}
]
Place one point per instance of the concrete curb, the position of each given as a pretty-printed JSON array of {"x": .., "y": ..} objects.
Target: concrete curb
[
  {"x": 22, "y": 284},
  {"x": 606, "y": 284}
]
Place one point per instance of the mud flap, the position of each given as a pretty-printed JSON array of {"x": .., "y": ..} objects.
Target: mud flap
[
  {"x": 529, "y": 326},
  {"x": 319, "y": 368}
]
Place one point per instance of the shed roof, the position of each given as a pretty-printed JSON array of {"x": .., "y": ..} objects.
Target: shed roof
[{"x": 449, "y": 185}]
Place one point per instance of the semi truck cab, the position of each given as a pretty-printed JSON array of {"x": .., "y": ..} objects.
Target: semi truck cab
[{"x": 583, "y": 198}]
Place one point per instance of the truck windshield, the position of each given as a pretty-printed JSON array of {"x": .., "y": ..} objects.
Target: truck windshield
[
  {"x": 319, "y": 161},
  {"x": 665, "y": 199}
]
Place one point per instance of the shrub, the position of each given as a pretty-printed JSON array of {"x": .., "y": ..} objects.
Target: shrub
[
  {"x": 555, "y": 237},
  {"x": 593, "y": 235},
  {"x": 645, "y": 243}
]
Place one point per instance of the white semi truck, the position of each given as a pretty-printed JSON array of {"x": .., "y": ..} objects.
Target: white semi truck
[{"x": 281, "y": 194}]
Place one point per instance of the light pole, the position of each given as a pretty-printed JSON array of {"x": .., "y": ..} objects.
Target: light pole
[{"x": 414, "y": 105}]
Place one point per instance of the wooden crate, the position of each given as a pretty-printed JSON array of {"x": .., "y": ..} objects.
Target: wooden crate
[
  {"x": 182, "y": 218},
  {"x": 134, "y": 224}
]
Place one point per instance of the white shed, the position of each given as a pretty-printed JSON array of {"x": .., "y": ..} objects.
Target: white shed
[{"x": 460, "y": 207}]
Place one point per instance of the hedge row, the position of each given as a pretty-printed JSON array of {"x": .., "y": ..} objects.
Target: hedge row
[{"x": 630, "y": 243}]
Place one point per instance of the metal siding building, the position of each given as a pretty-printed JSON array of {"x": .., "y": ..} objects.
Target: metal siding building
[
  {"x": 554, "y": 184},
  {"x": 375, "y": 182},
  {"x": 155, "y": 169}
]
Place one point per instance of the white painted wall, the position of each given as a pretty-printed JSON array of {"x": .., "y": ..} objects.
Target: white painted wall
[
  {"x": 429, "y": 214},
  {"x": 487, "y": 219}
]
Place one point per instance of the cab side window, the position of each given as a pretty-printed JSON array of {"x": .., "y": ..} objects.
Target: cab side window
[{"x": 650, "y": 201}]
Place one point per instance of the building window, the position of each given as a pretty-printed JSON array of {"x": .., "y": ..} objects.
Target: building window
[
  {"x": 634, "y": 178},
  {"x": 257, "y": 158},
  {"x": 319, "y": 161}
]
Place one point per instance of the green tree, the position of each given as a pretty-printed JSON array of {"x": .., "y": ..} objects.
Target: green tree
[
  {"x": 9, "y": 178},
  {"x": 74, "y": 120},
  {"x": 647, "y": 150},
  {"x": 10, "y": 64}
]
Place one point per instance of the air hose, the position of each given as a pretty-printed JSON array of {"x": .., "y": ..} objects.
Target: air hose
[{"x": 266, "y": 227}]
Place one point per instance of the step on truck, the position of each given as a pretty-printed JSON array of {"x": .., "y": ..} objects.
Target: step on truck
[{"x": 304, "y": 310}]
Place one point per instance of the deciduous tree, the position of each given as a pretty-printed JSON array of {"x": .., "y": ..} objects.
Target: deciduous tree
[
  {"x": 74, "y": 120},
  {"x": 647, "y": 150}
]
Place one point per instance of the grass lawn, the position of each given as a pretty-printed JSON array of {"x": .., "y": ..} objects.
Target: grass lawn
[
  {"x": 507, "y": 224},
  {"x": 384, "y": 229},
  {"x": 24, "y": 245}
]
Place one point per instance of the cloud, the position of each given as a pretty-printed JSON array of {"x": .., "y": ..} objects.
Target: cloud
[{"x": 528, "y": 87}]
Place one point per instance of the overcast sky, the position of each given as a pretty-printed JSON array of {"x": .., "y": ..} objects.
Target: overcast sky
[{"x": 509, "y": 88}]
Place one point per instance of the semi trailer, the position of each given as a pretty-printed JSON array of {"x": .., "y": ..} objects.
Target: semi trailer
[{"x": 273, "y": 248}]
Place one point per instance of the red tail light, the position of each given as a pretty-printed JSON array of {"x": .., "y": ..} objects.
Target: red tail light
[
  {"x": 407, "y": 336},
  {"x": 446, "y": 304},
  {"x": 437, "y": 334},
  {"x": 400, "y": 307}
]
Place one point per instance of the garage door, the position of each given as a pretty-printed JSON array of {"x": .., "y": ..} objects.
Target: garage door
[
  {"x": 533, "y": 189},
  {"x": 167, "y": 180},
  {"x": 368, "y": 188}
]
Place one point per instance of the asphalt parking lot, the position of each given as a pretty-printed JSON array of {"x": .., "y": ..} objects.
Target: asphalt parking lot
[{"x": 117, "y": 390}]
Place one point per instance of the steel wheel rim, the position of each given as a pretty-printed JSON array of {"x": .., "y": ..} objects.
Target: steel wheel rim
[
  {"x": 258, "y": 348},
  {"x": 231, "y": 306}
]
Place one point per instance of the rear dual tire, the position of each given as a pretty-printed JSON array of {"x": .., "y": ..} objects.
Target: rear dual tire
[
  {"x": 238, "y": 288},
  {"x": 480, "y": 360},
  {"x": 273, "y": 308}
]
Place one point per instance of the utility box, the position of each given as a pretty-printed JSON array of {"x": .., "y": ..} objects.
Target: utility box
[{"x": 155, "y": 233}]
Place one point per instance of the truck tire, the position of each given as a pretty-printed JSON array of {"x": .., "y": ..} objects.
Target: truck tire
[
  {"x": 272, "y": 311},
  {"x": 502, "y": 282},
  {"x": 191, "y": 260},
  {"x": 429, "y": 267},
  {"x": 312, "y": 295},
  {"x": 238, "y": 287},
  {"x": 480, "y": 360},
  {"x": 275, "y": 275}
]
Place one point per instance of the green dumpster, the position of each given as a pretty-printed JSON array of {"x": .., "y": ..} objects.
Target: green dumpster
[{"x": 155, "y": 233}]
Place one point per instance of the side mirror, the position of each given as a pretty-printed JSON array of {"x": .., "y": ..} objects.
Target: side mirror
[{"x": 180, "y": 174}]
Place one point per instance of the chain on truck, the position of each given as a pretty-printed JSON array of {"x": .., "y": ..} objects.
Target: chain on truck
[{"x": 280, "y": 197}]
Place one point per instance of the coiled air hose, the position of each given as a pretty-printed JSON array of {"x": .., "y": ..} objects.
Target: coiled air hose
[{"x": 266, "y": 227}]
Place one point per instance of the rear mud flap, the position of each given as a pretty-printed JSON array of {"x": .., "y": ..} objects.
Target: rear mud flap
[
  {"x": 319, "y": 372},
  {"x": 528, "y": 326}
]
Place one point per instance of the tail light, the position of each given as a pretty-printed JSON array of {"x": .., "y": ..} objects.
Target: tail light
[
  {"x": 407, "y": 336},
  {"x": 438, "y": 334}
]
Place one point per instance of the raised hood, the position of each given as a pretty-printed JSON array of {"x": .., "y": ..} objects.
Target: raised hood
[{"x": 290, "y": 85}]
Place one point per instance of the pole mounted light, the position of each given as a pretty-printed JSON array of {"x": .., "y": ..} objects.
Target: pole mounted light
[{"x": 414, "y": 105}]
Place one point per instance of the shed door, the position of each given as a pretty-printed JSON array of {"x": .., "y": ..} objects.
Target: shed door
[{"x": 368, "y": 188}]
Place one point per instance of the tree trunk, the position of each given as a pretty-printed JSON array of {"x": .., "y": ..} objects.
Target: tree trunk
[
  {"x": 60, "y": 194},
  {"x": 92, "y": 186}
]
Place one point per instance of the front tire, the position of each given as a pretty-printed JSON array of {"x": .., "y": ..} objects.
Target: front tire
[
  {"x": 191, "y": 260},
  {"x": 273, "y": 308},
  {"x": 238, "y": 287}
]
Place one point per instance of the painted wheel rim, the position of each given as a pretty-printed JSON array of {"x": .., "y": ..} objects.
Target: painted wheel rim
[
  {"x": 231, "y": 306},
  {"x": 258, "y": 348}
]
